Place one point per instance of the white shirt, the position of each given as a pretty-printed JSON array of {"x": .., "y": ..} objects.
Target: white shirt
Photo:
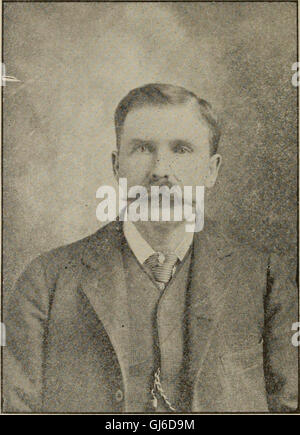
[{"x": 141, "y": 248}]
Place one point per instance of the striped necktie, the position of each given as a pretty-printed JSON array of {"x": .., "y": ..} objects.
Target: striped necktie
[{"x": 162, "y": 267}]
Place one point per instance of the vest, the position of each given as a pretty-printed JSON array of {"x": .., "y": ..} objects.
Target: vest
[{"x": 157, "y": 334}]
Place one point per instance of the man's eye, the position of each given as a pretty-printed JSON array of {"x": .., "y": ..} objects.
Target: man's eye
[
  {"x": 182, "y": 150},
  {"x": 144, "y": 148}
]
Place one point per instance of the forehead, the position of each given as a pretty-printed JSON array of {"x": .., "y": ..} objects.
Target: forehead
[{"x": 165, "y": 123}]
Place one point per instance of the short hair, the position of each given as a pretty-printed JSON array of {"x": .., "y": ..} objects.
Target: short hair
[{"x": 160, "y": 94}]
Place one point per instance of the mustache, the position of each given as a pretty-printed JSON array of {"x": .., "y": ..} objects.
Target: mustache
[
  {"x": 174, "y": 196},
  {"x": 166, "y": 183}
]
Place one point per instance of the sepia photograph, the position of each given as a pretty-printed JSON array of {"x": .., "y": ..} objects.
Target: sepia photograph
[{"x": 150, "y": 209}]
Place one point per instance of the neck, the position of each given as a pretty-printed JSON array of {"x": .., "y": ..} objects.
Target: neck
[{"x": 162, "y": 236}]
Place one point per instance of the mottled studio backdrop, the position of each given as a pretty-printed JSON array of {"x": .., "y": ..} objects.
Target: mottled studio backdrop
[{"x": 75, "y": 61}]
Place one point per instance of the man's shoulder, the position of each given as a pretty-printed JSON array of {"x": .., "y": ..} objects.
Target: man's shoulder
[
  {"x": 256, "y": 256},
  {"x": 71, "y": 254},
  {"x": 226, "y": 243}
]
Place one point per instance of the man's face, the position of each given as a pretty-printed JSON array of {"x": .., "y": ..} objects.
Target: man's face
[{"x": 166, "y": 145}]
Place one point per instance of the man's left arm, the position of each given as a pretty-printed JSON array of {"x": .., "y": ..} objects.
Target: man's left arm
[{"x": 281, "y": 356}]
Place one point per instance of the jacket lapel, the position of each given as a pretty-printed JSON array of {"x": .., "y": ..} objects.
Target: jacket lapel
[
  {"x": 103, "y": 282},
  {"x": 209, "y": 284}
]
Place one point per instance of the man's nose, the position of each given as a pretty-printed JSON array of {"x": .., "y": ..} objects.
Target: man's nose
[{"x": 161, "y": 168}]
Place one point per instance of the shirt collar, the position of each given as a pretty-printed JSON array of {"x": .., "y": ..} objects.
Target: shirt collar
[{"x": 141, "y": 248}]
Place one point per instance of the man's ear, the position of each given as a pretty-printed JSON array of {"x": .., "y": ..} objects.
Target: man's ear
[
  {"x": 214, "y": 166},
  {"x": 115, "y": 164}
]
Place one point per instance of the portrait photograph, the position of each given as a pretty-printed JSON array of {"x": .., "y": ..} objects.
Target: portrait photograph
[{"x": 150, "y": 209}]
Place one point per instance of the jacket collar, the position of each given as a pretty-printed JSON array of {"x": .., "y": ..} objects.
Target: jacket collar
[{"x": 111, "y": 237}]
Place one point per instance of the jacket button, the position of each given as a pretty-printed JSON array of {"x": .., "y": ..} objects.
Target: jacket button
[{"x": 119, "y": 395}]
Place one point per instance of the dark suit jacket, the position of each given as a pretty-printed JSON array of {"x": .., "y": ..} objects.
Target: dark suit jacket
[{"x": 67, "y": 329}]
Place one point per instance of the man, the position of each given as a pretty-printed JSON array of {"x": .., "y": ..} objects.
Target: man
[{"x": 144, "y": 316}]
